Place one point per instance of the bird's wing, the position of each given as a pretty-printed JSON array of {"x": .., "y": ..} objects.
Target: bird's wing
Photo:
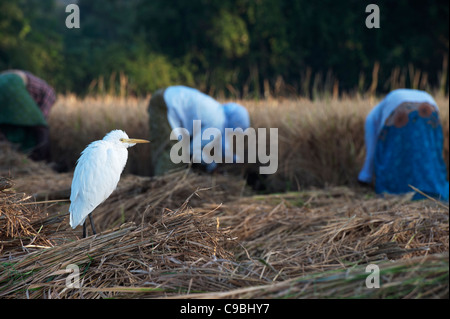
[{"x": 95, "y": 178}]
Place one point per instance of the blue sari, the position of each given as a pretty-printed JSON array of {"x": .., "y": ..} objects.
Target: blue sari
[{"x": 409, "y": 152}]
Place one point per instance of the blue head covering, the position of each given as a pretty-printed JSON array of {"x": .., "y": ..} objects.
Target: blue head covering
[{"x": 236, "y": 116}]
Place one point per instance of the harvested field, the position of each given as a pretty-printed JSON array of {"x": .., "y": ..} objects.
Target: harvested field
[{"x": 188, "y": 235}]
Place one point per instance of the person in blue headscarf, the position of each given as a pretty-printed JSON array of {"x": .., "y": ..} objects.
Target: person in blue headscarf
[
  {"x": 404, "y": 146},
  {"x": 178, "y": 107},
  {"x": 236, "y": 117}
]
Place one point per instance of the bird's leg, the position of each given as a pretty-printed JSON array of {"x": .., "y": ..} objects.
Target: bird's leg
[
  {"x": 84, "y": 229},
  {"x": 92, "y": 224}
]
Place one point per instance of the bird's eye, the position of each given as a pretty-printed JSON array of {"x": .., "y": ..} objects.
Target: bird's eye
[{"x": 121, "y": 139}]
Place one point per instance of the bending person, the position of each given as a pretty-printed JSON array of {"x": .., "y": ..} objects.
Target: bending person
[
  {"x": 404, "y": 146},
  {"x": 178, "y": 107},
  {"x": 25, "y": 103}
]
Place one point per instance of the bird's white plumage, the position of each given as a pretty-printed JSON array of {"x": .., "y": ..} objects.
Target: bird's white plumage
[{"x": 96, "y": 175}]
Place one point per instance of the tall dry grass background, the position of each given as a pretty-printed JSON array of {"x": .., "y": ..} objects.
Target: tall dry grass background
[
  {"x": 321, "y": 142},
  {"x": 75, "y": 122}
]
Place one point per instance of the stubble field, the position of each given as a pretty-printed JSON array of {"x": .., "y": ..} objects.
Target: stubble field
[{"x": 308, "y": 231}]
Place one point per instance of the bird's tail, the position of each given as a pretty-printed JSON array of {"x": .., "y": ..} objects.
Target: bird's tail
[
  {"x": 73, "y": 224},
  {"x": 75, "y": 218}
]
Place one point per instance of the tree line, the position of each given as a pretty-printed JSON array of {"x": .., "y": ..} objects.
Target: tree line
[{"x": 233, "y": 48}]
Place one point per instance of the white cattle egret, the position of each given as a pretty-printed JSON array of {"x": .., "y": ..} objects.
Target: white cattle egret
[{"x": 97, "y": 174}]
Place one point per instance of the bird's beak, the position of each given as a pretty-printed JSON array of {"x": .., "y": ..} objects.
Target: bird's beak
[{"x": 134, "y": 141}]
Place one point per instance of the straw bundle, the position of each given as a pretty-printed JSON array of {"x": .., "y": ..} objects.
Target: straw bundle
[
  {"x": 19, "y": 216},
  {"x": 419, "y": 277},
  {"x": 317, "y": 231},
  {"x": 155, "y": 243},
  {"x": 181, "y": 253},
  {"x": 140, "y": 199}
]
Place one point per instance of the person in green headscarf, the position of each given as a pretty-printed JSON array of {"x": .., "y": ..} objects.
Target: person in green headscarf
[{"x": 25, "y": 102}]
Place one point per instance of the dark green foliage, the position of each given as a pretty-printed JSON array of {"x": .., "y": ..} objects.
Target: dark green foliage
[{"x": 238, "y": 48}]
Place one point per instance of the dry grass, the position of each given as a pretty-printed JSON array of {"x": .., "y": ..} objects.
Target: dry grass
[
  {"x": 15, "y": 164},
  {"x": 187, "y": 235},
  {"x": 180, "y": 253},
  {"x": 315, "y": 231},
  {"x": 419, "y": 277},
  {"x": 74, "y": 123},
  {"x": 20, "y": 217},
  {"x": 322, "y": 142}
]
